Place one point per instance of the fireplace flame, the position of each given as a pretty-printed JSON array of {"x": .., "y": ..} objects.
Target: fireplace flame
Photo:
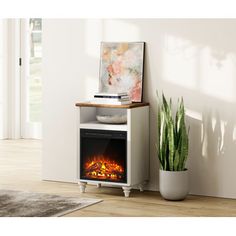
[{"x": 100, "y": 167}]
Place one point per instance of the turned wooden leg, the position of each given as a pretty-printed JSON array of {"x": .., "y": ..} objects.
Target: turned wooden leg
[
  {"x": 126, "y": 191},
  {"x": 82, "y": 186},
  {"x": 99, "y": 185},
  {"x": 141, "y": 186}
]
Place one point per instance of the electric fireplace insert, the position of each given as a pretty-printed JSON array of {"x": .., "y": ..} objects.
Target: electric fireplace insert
[{"x": 103, "y": 155}]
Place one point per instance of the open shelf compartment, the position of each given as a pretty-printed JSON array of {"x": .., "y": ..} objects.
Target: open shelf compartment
[{"x": 88, "y": 118}]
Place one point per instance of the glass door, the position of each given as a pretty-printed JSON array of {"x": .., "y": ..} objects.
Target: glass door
[{"x": 31, "y": 78}]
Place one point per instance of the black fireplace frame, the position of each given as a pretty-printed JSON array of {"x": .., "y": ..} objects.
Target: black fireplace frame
[{"x": 109, "y": 134}]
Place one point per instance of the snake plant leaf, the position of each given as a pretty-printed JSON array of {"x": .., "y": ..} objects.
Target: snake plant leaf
[
  {"x": 165, "y": 104},
  {"x": 158, "y": 120},
  {"x": 171, "y": 144},
  {"x": 172, "y": 135},
  {"x": 184, "y": 138},
  {"x": 160, "y": 160},
  {"x": 176, "y": 160},
  {"x": 162, "y": 139},
  {"x": 184, "y": 147}
]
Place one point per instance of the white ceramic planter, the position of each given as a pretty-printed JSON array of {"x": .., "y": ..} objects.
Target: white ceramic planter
[{"x": 174, "y": 185}]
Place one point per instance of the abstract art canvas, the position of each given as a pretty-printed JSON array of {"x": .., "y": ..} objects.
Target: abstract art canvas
[{"x": 121, "y": 69}]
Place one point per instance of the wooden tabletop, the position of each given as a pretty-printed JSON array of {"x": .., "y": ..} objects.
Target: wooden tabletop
[{"x": 128, "y": 106}]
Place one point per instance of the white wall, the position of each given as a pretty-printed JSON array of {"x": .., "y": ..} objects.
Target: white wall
[
  {"x": 1, "y": 80},
  {"x": 3, "y": 84},
  {"x": 195, "y": 59}
]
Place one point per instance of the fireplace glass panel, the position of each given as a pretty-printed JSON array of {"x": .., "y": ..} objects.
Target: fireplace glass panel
[{"x": 103, "y": 155}]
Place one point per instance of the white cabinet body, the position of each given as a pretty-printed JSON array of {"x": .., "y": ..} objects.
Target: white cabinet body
[{"x": 137, "y": 129}]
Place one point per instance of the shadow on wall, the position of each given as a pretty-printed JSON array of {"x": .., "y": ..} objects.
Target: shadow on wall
[
  {"x": 196, "y": 59},
  {"x": 212, "y": 148}
]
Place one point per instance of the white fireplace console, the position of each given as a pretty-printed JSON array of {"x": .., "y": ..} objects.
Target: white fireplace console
[{"x": 137, "y": 141}]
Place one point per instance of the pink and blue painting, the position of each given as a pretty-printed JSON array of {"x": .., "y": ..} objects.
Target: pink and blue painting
[{"x": 121, "y": 68}]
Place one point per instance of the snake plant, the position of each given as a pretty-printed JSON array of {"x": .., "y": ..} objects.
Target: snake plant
[{"x": 172, "y": 145}]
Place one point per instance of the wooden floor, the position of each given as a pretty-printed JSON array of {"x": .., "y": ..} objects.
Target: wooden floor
[{"x": 20, "y": 168}]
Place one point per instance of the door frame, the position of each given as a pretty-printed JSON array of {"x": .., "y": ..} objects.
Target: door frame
[
  {"x": 28, "y": 129},
  {"x": 13, "y": 80}
]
